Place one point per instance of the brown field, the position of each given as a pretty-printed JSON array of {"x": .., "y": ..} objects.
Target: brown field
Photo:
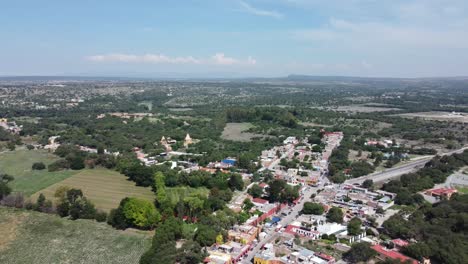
[
  {"x": 438, "y": 116},
  {"x": 105, "y": 188}
]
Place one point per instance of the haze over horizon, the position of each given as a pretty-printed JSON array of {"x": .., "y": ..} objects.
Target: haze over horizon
[{"x": 235, "y": 38}]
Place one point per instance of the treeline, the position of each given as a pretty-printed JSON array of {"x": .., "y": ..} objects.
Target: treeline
[
  {"x": 69, "y": 202},
  {"x": 440, "y": 230},
  {"x": 434, "y": 172}
]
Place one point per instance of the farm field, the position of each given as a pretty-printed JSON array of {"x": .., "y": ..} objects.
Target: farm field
[
  {"x": 32, "y": 237},
  {"x": 437, "y": 116},
  {"x": 105, "y": 188},
  {"x": 175, "y": 194},
  {"x": 18, "y": 164},
  {"x": 235, "y": 132}
]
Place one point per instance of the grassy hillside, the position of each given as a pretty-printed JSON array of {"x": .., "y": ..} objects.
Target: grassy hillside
[
  {"x": 18, "y": 164},
  {"x": 105, "y": 188},
  {"x": 32, "y": 237}
]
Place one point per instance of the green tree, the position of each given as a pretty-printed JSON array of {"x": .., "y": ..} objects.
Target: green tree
[
  {"x": 256, "y": 191},
  {"x": 206, "y": 235},
  {"x": 335, "y": 214},
  {"x": 5, "y": 190},
  {"x": 368, "y": 184},
  {"x": 354, "y": 226},
  {"x": 141, "y": 213},
  {"x": 312, "y": 208},
  {"x": 235, "y": 182},
  {"x": 38, "y": 166},
  {"x": 359, "y": 252}
]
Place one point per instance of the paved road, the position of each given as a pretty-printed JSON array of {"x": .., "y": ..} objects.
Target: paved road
[
  {"x": 285, "y": 220},
  {"x": 400, "y": 170}
]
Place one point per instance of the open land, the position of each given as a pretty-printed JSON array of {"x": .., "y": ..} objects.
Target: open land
[
  {"x": 105, "y": 188},
  {"x": 438, "y": 116},
  {"x": 235, "y": 132},
  {"x": 51, "y": 239},
  {"x": 18, "y": 164}
]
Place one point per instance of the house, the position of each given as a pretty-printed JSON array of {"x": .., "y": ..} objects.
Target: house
[
  {"x": 244, "y": 234},
  {"x": 385, "y": 253},
  {"x": 259, "y": 201},
  {"x": 442, "y": 192},
  {"x": 290, "y": 140},
  {"x": 400, "y": 243},
  {"x": 230, "y": 252}
]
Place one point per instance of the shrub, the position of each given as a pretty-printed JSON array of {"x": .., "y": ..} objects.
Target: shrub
[{"x": 38, "y": 166}]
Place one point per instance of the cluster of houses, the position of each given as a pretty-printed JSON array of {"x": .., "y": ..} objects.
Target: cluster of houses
[
  {"x": 301, "y": 151},
  {"x": 386, "y": 143},
  {"x": 11, "y": 127}
]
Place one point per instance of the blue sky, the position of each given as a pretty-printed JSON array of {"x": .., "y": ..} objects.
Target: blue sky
[{"x": 233, "y": 38}]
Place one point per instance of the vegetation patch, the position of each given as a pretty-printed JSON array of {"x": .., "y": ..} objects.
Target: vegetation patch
[
  {"x": 175, "y": 194},
  {"x": 50, "y": 239},
  {"x": 28, "y": 181},
  {"x": 236, "y": 132},
  {"x": 105, "y": 188}
]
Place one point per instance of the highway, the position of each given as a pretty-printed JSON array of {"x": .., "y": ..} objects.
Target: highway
[{"x": 395, "y": 172}]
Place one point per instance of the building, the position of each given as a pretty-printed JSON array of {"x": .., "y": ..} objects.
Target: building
[
  {"x": 230, "y": 252},
  {"x": 442, "y": 193},
  {"x": 188, "y": 140},
  {"x": 385, "y": 253},
  {"x": 244, "y": 234}
]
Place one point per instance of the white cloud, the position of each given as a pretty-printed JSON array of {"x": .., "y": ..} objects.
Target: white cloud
[
  {"x": 259, "y": 12},
  {"x": 220, "y": 58},
  {"x": 149, "y": 58},
  {"x": 217, "y": 59}
]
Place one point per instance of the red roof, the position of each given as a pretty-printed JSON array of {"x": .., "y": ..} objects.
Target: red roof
[
  {"x": 263, "y": 185},
  {"x": 400, "y": 242},
  {"x": 392, "y": 254},
  {"x": 443, "y": 191},
  {"x": 325, "y": 256},
  {"x": 259, "y": 200}
]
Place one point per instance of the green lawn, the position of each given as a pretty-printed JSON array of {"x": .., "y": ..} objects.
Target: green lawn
[
  {"x": 18, "y": 164},
  {"x": 462, "y": 190},
  {"x": 32, "y": 237},
  {"x": 178, "y": 193}
]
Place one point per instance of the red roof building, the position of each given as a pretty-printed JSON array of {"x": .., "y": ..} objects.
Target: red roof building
[
  {"x": 385, "y": 253},
  {"x": 259, "y": 201},
  {"x": 442, "y": 192},
  {"x": 400, "y": 243}
]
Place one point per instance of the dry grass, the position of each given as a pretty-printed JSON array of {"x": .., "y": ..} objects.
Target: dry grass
[
  {"x": 105, "y": 188},
  {"x": 8, "y": 227},
  {"x": 438, "y": 116},
  {"x": 235, "y": 132}
]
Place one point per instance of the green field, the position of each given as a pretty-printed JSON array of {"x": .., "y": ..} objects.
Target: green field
[
  {"x": 105, "y": 188},
  {"x": 179, "y": 193},
  {"x": 32, "y": 237},
  {"x": 462, "y": 190},
  {"x": 18, "y": 164}
]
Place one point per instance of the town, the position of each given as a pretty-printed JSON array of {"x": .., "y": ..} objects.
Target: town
[{"x": 217, "y": 172}]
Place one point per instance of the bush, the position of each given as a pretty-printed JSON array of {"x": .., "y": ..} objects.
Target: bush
[
  {"x": 60, "y": 164},
  {"x": 38, "y": 166},
  {"x": 101, "y": 216}
]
